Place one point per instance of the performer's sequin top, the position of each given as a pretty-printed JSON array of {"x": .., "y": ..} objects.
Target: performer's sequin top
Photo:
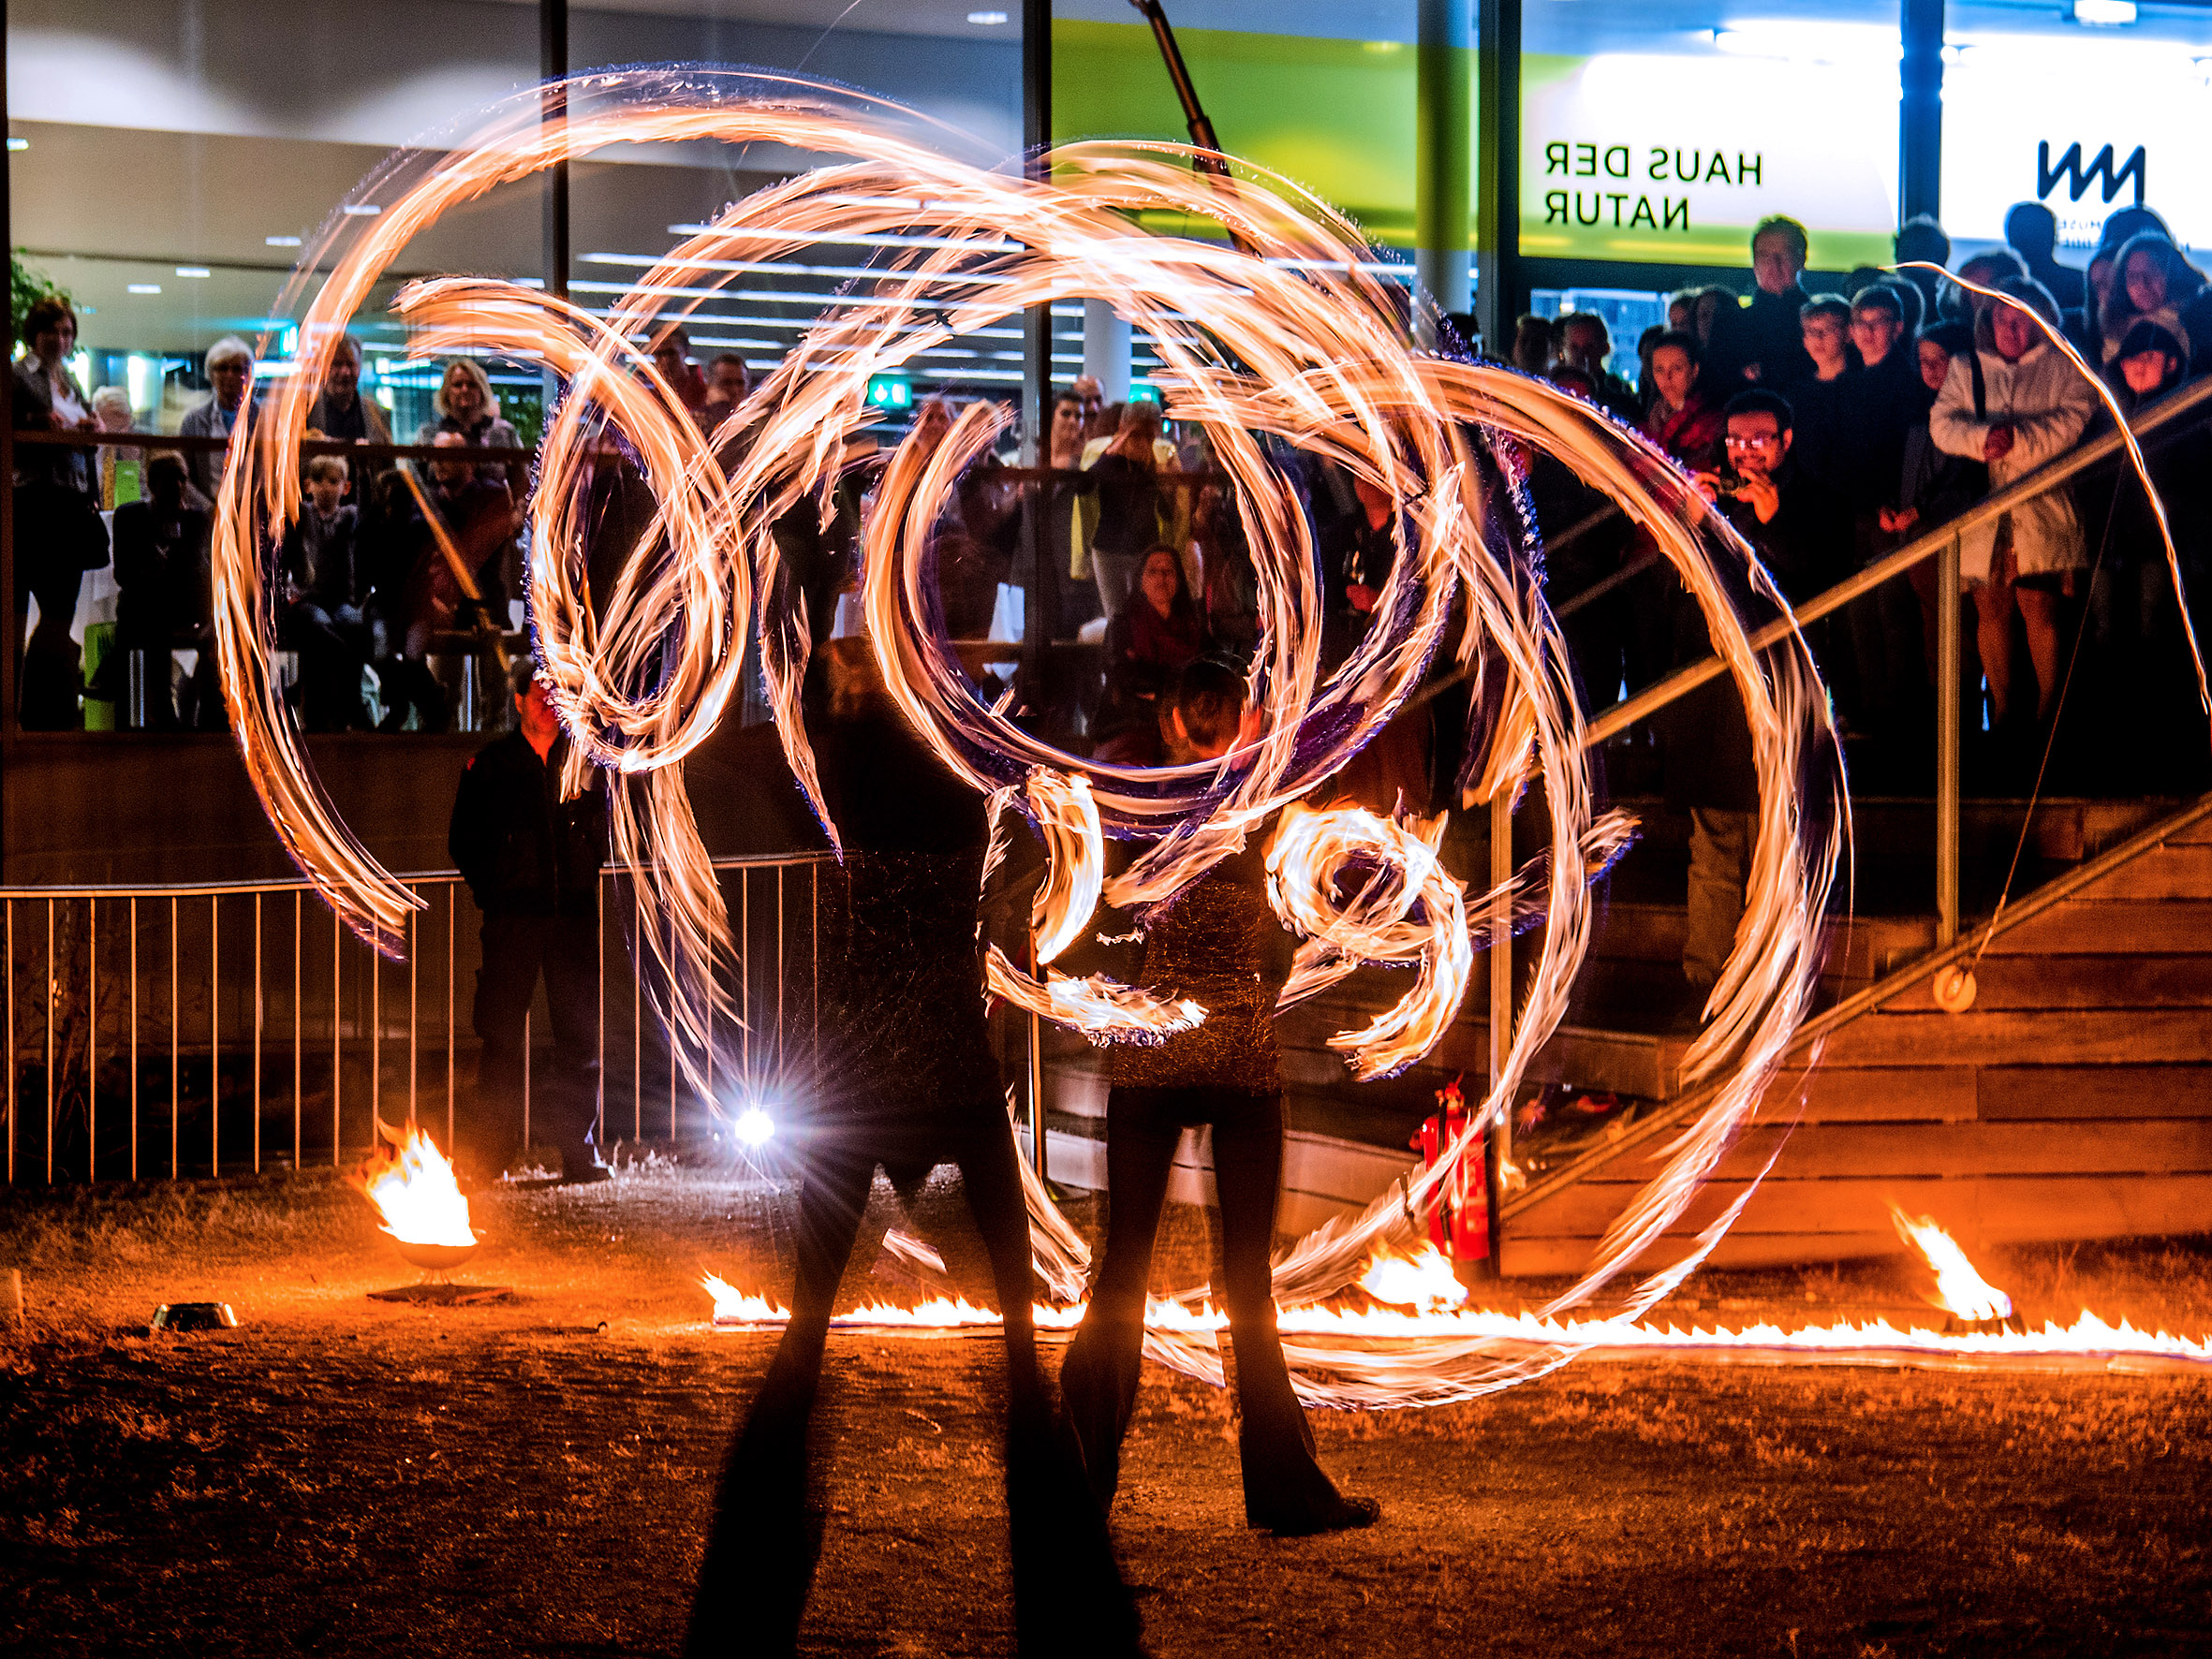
[{"x": 1218, "y": 943}]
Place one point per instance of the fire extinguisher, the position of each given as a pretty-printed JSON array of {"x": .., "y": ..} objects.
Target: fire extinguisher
[{"x": 1459, "y": 1226}]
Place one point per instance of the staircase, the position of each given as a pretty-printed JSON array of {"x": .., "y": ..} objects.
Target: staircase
[{"x": 2073, "y": 1100}]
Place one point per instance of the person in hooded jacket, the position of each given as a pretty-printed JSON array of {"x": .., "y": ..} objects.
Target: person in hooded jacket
[{"x": 2016, "y": 402}]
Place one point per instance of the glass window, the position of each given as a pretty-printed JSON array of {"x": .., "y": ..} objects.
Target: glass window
[
  {"x": 1662, "y": 133},
  {"x": 2084, "y": 120}
]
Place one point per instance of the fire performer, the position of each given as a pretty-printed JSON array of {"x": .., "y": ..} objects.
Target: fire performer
[
  {"x": 1218, "y": 942},
  {"x": 532, "y": 861},
  {"x": 913, "y": 1084}
]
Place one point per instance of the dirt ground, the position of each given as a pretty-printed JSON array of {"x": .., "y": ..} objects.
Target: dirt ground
[{"x": 341, "y": 1476}]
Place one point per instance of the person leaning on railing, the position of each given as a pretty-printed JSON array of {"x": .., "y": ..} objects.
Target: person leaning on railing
[
  {"x": 230, "y": 371},
  {"x": 320, "y": 588},
  {"x": 58, "y": 532},
  {"x": 163, "y": 598}
]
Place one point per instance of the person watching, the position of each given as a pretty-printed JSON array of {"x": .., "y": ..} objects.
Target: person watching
[
  {"x": 1535, "y": 339},
  {"x": 58, "y": 532},
  {"x": 339, "y": 411},
  {"x": 1706, "y": 743},
  {"x": 532, "y": 861},
  {"x": 1219, "y": 943},
  {"x": 1921, "y": 242},
  {"x": 230, "y": 371},
  {"x": 1932, "y": 488},
  {"x": 466, "y": 407},
  {"x": 161, "y": 579},
  {"x": 111, "y": 413},
  {"x": 1587, "y": 343},
  {"x": 320, "y": 594},
  {"x": 1986, "y": 268},
  {"x": 1681, "y": 311},
  {"x": 1684, "y": 419},
  {"x": 2031, "y": 231},
  {"x": 672, "y": 357},
  {"x": 2027, "y": 405},
  {"x": 1771, "y": 348},
  {"x": 1131, "y": 505},
  {"x": 1147, "y": 645},
  {"x": 728, "y": 384},
  {"x": 2155, "y": 283}
]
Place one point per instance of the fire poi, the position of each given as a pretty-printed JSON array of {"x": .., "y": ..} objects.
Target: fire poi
[{"x": 1278, "y": 337}]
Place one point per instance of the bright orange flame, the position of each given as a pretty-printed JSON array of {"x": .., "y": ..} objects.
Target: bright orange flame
[
  {"x": 1424, "y": 1281},
  {"x": 1960, "y": 1288},
  {"x": 417, "y": 1195}
]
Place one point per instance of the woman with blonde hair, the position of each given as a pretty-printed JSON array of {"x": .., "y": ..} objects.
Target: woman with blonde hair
[{"x": 465, "y": 404}]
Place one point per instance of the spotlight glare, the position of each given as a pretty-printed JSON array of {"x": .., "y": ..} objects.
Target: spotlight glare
[{"x": 755, "y": 1126}]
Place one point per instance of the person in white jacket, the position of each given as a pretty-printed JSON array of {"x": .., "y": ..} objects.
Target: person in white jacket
[{"x": 2016, "y": 402}]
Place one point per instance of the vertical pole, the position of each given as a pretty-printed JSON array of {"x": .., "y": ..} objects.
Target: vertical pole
[
  {"x": 1498, "y": 170},
  {"x": 48, "y": 999},
  {"x": 779, "y": 970},
  {"x": 337, "y": 1033},
  {"x": 527, "y": 1087},
  {"x": 257, "y": 1001},
  {"x": 10, "y": 1010},
  {"x": 599, "y": 1111},
  {"x": 175, "y": 1047},
  {"x": 7, "y": 589},
  {"x": 375, "y": 1048},
  {"x": 637, "y": 1011},
  {"x": 1443, "y": 127},
  {"x": 414, "y": 978},
  {"x": 92, "y": 1040},
  {"x": 299, "y": 1031},
  {"x": 215, "y": 1036},
  {"x": 452, "y": 906},
  {"x": 1919, "y": 108},
  {"x": 1037, "y": 1142},
  {"x": 1502, "y": 1004},
  {"x": 552, "y": 64},
  {"x": 134, "y": 1037},
  {"x": 1037, "y": 321},
  {"x": 1948, "y": 713}
]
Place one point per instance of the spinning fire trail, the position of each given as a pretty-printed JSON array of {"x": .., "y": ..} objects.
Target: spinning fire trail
[{"x": 1284, "y": 342}]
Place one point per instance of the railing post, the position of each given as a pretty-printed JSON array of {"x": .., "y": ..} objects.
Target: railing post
[
  {"x": 1500, "y": 1142},
  {"x": 1948, "y": 718}
]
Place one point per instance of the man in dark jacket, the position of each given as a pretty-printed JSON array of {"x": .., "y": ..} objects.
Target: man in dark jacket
[
  {"x": 320, "y": 588},
  {"x": 532, "y": 861},
  {"x": 1769, "y": 334},
  {"x": 1710, "y": 773},
  {"x": 161, "y": 570}
]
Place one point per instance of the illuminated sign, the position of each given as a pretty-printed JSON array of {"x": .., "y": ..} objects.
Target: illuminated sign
[
  {"x": 2085, "y": 126},
  {"x": 889, "y": 392},
  {"x": 1674, "y": 157}
]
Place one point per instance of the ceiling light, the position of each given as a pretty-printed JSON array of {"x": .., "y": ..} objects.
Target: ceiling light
[
  {"x": 193, "y": 270},
  {"x": 986, "y": 18},
  {"x": 282, "y": 242},
  {"x": 360, "y": 210},
  {"x": 2104, "y": 14},
  {"x": 143, "y": 287},
  {"x": 18, "y": 143}
]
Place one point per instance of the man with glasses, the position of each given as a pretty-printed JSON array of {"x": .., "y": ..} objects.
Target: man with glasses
[{"x": 1710, "y": 775}]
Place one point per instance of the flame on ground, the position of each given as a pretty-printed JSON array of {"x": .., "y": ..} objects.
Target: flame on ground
[
  {"x": 1960, "y": 1288},
  {"x": 1388, "y": 1356},
  {"x": 416, "y": 1193}
]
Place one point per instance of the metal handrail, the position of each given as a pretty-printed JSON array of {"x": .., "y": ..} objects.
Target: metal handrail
[
  {"x": 2055, "y": 891},
  {"x": 185, "y": 889}
]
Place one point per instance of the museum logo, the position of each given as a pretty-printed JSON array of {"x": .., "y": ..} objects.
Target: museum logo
[{"x": 2079, "y": 178}]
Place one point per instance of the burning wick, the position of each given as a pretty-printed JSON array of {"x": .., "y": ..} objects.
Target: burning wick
[
  {"x": 417, "y": 1195},
  {"x": 755, "y": 1126},
  {"x": 1960, "y": 1289}
]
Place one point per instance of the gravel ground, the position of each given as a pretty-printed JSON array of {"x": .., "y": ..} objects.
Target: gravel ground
[{"x": 341, "y": 1475}]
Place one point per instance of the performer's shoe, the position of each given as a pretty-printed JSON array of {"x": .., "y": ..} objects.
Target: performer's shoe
[{"x": 1344, "y": 1515}]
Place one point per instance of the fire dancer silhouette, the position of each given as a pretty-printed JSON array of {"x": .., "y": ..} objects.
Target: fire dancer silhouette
[
  {"x": 914, "y": 1085},
  {"x": 1218, "y": 941}
]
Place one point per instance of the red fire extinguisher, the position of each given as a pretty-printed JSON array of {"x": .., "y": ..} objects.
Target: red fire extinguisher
[{"x": 1459, "y": 1226}]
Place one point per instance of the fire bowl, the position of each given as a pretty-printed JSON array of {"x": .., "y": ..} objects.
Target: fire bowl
[
  {"x": 433, "y": 1258},
  {"x": 186, "y": 1316}
]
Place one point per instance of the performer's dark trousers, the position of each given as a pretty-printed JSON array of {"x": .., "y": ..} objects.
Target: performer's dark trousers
[
  {"x": 768, "y": 1520},
  {"x": 564, "y": 1095},
  {"x": 1283, "y": 1482}
]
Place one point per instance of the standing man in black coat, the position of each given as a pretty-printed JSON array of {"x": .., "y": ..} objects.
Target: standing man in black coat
[
  {"x": 532, "y": 861},
  {"x": 1765, "y": 343}
]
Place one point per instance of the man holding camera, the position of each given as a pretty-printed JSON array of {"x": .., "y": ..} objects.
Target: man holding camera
[{"x": 1710, "y": 770}]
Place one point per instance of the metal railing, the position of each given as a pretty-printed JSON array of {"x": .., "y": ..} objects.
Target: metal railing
[
  {"x": 1941, "y": 543},
  {"x": 223, "y": 1029}
]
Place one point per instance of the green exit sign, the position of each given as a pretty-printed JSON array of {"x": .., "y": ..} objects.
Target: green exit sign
[
  {"x": 889, "y": 392},
  {"x": 1144, "y": 391}
]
